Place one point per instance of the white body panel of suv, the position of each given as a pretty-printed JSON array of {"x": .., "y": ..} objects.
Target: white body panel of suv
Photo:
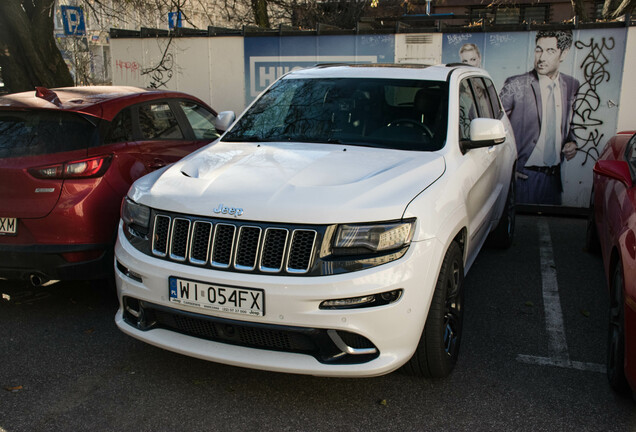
[{"x": 329, "y": 230}]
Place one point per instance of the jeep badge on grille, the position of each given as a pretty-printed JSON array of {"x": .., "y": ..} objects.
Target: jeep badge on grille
[{"x": 221, "y": 209}]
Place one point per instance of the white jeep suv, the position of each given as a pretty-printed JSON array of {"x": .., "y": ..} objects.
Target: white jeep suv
[{"x": 329, "y": 230}]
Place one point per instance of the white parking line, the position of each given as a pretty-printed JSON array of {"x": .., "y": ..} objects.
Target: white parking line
[
  {"x": 557, "y": 343},
  {"x": 545, "y": 361}
]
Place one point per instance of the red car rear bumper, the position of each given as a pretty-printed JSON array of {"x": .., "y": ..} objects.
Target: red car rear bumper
[{"x": 41, "y": 263}]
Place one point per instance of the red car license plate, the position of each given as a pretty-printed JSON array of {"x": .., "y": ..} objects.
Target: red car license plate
[{"x": 8, "y": 226}]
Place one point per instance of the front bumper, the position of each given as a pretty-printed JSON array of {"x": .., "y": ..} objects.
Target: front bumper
[{"x": 292, "y": 304}]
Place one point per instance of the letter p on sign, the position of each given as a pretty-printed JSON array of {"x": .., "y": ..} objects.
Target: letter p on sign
[{"x": 73, "y": 20}]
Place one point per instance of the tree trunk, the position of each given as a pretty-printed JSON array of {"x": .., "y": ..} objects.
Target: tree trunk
[
  {"x": 261, "y": 17},
  {"x": 29, "y": 56},
  {"x": 579, "y": 10}
]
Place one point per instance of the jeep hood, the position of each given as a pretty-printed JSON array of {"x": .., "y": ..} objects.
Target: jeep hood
[{"x": 292, "y": 182}]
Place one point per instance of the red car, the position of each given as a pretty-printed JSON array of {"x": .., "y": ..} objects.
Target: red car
[
  {"x": 68, "y": 156},
  {"x": 612, "y": 228}
]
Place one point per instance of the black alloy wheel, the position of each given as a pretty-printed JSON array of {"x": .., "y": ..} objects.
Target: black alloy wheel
[
  {"x": 454, "y": 310},
  {"x": 438, "y": 349}
]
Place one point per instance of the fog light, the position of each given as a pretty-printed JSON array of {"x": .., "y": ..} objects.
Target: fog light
[
  {"x": 127, "y": 272},
  {"x": 363, "y": 301},
  {"x": 391, "y": 296},
  {"x": 132, "y": 306},
  {"x": 347, "y": 302},
  {"x": 135, "y": 314}
]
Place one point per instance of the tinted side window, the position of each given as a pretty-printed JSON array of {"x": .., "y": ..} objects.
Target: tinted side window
[
  {"x": 201, "y": 120},
  {"x": 32, "y": 133},
  {"x": 482, "y": 98},
  {"x": 467, "y": 110},
  {"x": 120, "y": 129},
  {"x": 494, "y": 99},
  {"x": 157, "y": 122}
]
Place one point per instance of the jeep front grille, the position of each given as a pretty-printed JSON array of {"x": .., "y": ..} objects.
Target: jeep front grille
[{"x": 223, "y": 244}]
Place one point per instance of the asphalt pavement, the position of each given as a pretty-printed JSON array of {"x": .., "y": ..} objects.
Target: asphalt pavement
[{"x": 532, "y": 359}]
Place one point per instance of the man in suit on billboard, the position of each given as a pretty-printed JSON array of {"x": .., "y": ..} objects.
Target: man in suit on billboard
[{"x": 539, "y": 106}]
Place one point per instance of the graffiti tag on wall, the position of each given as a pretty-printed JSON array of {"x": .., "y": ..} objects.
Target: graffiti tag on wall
[
  {"x": 162, "y": 72},
  {"x": 127, "y": 67},
  {"x": 458, "y": 38},
  {"x": 500, "y": 39},
  {"x": 586, "y": 121}
]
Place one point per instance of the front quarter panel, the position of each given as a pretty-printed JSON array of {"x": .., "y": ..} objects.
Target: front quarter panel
[{"x": 440, "y": 212}]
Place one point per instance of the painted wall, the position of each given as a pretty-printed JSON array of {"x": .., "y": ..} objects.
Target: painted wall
[
  {"x": 268, "y": 58},
  {"x": 418, "y": 48},
  {"x": 228, "y": 73},
  {"x": 595, "y": 60},
  {"x": 227, "y": 83},
  {"x": 627, "y": 107},
  {"x": 209, "y": 68}
]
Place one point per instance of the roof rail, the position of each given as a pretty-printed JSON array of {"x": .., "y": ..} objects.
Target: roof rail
[
  {"x": 386, "y": 65},
  {"x": 326, "y": 65}
]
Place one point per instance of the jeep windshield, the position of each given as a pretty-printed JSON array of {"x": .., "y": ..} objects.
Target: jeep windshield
[{"x": 386, "y": 113}]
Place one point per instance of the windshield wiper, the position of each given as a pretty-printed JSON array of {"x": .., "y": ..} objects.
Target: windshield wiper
[
  {"x": 283, "y": 138},
  {"x": 309, "y": 139},
  {"x": 241, "y": 138}
]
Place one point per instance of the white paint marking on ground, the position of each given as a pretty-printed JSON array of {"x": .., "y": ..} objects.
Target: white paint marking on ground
[
  {"x": 545, "y": 361},
  {"x": 557, "y": 344}
]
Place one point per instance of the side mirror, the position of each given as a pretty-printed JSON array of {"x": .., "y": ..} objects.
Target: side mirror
[
  {"x": 485, "y": 132},
  {"x": 614, "y": 169},
  {"x": 224, "y": 120}
]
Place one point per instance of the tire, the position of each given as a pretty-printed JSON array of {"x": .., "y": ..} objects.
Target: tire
[
  {"x": 616, "y": 335},
  {"x": 501, "y": 237},
  {"x": 438, "y": 348},
  {"x": 592, "y": 243}
]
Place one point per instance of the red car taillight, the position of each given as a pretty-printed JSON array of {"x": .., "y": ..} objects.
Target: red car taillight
[{"x": 85, "y": 168}]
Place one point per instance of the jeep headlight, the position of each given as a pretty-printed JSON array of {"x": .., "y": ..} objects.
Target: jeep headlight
[
  {"x": 361, "y": 239},
  {"x": 135, "y": 216}
]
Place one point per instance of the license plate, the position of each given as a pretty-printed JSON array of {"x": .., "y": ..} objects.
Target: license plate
[
  {"x": 8, "y": 225},
  {"x": 244, "y": 301}
]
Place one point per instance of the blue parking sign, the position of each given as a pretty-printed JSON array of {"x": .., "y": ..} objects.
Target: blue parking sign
[
  {"x": 73, "y": 20},
  {"x": 174, "y": 20}
]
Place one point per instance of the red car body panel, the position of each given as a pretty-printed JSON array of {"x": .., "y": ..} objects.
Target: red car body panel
[
  {"x": 98, "y": 101},
  {"x": 18, "y": 187},
  {"x": 63, "y": 224},
  {"x": 615, "y": 216}
]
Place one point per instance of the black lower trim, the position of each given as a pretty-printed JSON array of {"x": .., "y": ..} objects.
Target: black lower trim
[
  {"x": 310, "y": 341},
  {"x": 20, "y": 262}
]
